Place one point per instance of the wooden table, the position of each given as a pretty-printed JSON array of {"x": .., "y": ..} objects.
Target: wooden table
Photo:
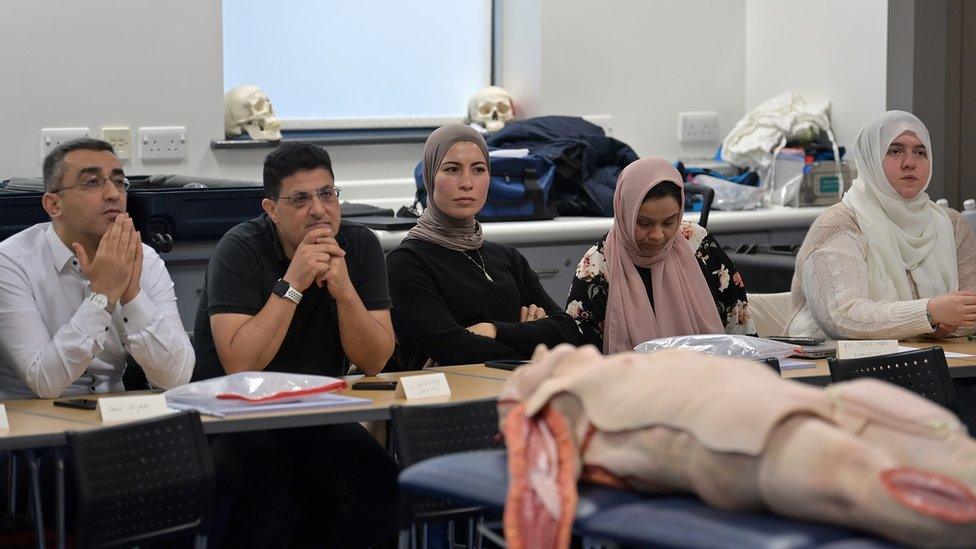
[
  {"x": 819, "y": 374},
  {"x": 36, "y": 423},
  {"x": 475, "y": 370},
  {"x": 958, "y": 367}
]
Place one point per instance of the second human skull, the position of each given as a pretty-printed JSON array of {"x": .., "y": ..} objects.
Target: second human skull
[
  {"x": 248, "y": 109},
  {"x": 491, "y": 107}
]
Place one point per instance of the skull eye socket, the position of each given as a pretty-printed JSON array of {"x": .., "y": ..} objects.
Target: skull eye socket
[
  {"x": 485, "y": 107},
  {"x": 503, "y": 107}
]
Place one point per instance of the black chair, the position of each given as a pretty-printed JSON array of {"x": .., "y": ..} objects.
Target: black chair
[
  {"x": 138, "y": 483},
  {"x": 924, "y": 371},
  {"x": 707, "y": 196},
  {"x": 426, "y": 431}
]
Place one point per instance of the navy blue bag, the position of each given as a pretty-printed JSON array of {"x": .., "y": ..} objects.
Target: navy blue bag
[
  {"x": 587, "y": 161},
  {"x": 519, "y": 191}
]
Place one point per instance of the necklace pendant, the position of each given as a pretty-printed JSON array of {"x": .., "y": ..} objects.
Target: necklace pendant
[{"x": 483, "y": 266}]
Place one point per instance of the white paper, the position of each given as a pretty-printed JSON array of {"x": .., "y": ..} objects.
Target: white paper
[
  {"x": 847, "y": 349},
  {"x": 4, "y": 422},
  {"x": 127, "y": 408},
  {"x": 795, "y": 364},
  {"x": 948, "y": 354},
  {"x": 424, "y": 386},
  {"x": 225, "y": 408}
]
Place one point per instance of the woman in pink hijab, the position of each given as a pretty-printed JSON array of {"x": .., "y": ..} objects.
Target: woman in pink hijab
[{"x": 655, "y": 275}]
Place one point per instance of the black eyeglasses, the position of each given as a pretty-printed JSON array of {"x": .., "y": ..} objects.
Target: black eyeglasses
[
  {"x": 302, "y": 198},
  {"x": 95, "y": 183}
]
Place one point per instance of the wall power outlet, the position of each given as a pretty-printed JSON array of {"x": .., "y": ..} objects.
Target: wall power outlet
[
  {"x": 698, "y": 126},
  {"x": 162, "y": 143},
  {"x": 120, "y": 137},
  {"x": 52, "y": 137}
]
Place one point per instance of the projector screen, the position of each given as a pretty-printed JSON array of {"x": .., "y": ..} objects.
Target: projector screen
[{"x": 360, "y": 64}]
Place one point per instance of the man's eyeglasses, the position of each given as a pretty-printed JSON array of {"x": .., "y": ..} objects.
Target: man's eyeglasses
[
  {"x": 94, "y": 183},
  {"x": 302, "y": 198}
]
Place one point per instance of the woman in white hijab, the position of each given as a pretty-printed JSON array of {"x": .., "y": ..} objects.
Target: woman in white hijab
[{"x": 887, "y": 262}]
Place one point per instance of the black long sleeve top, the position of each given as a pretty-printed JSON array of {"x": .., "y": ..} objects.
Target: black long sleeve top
[{"x": 438, "y": 292}]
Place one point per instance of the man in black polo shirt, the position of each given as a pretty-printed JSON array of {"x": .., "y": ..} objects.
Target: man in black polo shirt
[{"x": 289, "y": 291}]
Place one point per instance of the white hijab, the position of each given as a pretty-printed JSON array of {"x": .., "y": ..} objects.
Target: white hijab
[{"x": 914, "y": 234}]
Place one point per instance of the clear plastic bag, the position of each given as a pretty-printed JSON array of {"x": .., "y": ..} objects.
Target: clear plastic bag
[
  {"x": 739, "y": 346},
  {"x": 254, "y": 388},
  {"x": 731, "y": 196}
]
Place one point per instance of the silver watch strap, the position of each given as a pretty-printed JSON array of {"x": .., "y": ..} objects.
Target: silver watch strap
[{"x": 293, "y": 295}]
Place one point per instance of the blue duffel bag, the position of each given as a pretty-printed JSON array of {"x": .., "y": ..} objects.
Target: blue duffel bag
[{"x": 519, "y": 191}]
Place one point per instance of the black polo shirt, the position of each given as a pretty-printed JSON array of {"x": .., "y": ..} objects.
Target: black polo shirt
[{"x": 244, "y": 266}]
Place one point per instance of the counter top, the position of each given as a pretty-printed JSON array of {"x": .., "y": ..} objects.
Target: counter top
[{"x": 587, "y": 229}]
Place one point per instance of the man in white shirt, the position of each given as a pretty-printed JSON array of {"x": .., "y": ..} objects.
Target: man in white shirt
[{"x": 81, "y": 292}]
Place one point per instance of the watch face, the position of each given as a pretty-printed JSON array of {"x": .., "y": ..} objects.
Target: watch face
[{"x": 280, "y": 288}]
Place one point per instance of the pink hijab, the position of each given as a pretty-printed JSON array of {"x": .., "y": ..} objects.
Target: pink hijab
[{"x": 683, "y": 303}]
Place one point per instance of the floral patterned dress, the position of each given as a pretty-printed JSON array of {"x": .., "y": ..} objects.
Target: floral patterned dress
[{"x": 587, "y": 302}]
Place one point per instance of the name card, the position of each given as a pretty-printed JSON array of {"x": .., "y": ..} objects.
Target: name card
[
  {"x": 423, "y": 386},
  {"x": 870, "y": 347},
  {"x": 128, "y": 408},
  {"x": 4, "y": 422}
]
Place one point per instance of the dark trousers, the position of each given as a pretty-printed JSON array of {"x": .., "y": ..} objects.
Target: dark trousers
[{"x": 326, "y": 486}]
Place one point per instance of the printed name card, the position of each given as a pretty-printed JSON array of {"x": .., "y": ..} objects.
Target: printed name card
[
  {"x": 4, "y": 422},
  {"x": 423, "y": 386},
  {"x": 864, "y": 348},
  {"x": 128, "y": 408}
]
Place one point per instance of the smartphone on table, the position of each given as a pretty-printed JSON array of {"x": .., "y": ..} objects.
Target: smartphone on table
[
  {"x": 80, "y": 403},
  {"x": 803, "y": 341},
  {"x": 374, "y": 386},
  {"x": 505, "y": 364}
]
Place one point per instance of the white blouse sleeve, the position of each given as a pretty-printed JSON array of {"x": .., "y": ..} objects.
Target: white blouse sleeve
[{"x": 835, "y": 284}]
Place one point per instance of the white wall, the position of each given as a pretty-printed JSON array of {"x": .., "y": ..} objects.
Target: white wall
[
  {"x": 103, "y": 62},
  {"x": 141, "y": 62},
  {"x": 641, "y": 61},
  {"x": 831, "y": 49}
]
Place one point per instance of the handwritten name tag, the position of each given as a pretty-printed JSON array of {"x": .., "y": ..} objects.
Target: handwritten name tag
[
  {"x": 423, "y": 386},
  {"x": 131, "y": 407},
  {"x": 4, "y": 422},
  {"x": 865, "y": 348}
]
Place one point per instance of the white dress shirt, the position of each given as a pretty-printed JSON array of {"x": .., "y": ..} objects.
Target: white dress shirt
[{"x": 54, "y": 341}]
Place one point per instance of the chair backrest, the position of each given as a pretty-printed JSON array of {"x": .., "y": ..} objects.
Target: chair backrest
[
  {"x": 770, "y": 312},
  {"x": 139, "y": 482},
  {"x": 426, "y": 431},
  {"x": 924, "y": 371},
  {"x": 707, "y": 195}
]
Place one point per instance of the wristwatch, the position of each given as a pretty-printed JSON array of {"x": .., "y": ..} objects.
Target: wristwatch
[
  {"x": 928, "y": 316},
  {"x": 283, "y": 289},
  {"x": 100, "y": 301}
]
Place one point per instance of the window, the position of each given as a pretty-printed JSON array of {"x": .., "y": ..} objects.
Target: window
[{"x": 335, "y": 64}]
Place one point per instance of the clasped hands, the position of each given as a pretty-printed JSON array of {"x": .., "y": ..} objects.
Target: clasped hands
[
  {"x": 116, "y": 267},
  {"x": 318, "y": 259}
]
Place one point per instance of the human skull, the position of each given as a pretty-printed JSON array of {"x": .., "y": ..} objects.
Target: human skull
[
  {"x": 491, "y": 107},
  {"x": 248, "y": 109}
]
